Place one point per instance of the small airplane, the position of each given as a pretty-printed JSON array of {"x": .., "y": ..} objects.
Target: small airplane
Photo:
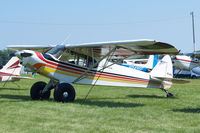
[
  {"x": 189, "y": 62},
  {"x": 91, "y": 63},
  {"x": 11, "y": 71}
]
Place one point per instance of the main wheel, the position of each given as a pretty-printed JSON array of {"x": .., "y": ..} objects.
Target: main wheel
[
  {"x": 36, "y": 91},
  {"x": 194, "y": 77},
  {"x": 64, "y": 92}
]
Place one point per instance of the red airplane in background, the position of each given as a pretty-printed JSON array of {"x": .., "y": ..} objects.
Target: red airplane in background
[{"x": 11, "y": 71}]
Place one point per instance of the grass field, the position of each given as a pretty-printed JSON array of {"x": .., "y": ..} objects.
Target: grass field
[{"x": 107, "y": 109}]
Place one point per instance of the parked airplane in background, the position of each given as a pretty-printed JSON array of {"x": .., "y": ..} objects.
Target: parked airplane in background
[
  {"x": 89, "y": 63},
  {"x": 144, "y": 65},
  {"x": 188, "y": 62},
  {"x": 11, "y": 71}
]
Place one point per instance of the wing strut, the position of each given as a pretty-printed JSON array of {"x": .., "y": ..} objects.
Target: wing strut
[
  {"x": 100, "y": 71},
  {"x": 94, "y": 65}
]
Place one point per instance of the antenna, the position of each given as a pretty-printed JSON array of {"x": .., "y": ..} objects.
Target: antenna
[
  {"x": 192, "y": 13},
  {"x": 68, "y": 36}
]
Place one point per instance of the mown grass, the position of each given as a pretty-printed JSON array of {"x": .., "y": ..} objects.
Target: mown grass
[{"x": 107, "y": 109}]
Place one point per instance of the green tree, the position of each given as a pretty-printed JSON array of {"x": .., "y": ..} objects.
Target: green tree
[{"x": 4, "y": 56}]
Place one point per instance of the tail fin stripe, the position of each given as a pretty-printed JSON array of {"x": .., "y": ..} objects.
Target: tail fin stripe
[
  {"x": 15, "y": 65},
  {"x": 155, "y": 61}
]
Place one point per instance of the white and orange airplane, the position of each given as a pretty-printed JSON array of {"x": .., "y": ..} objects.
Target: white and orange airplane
[
  {"x": 91, "y": 63},
  {"x": 11, "y": 71}
]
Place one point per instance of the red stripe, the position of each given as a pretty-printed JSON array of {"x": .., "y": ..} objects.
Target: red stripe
[
  {"x": 15, "y": 65},
  {"x": 7, "y": 74},
  {"x": 187, "y": 60}
]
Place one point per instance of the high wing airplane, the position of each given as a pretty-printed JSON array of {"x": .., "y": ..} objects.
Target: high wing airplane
[
  {"x": 188, "y": 62},
  {"x": 90, "y": 63},
  {"x": 11, "y": 71}
]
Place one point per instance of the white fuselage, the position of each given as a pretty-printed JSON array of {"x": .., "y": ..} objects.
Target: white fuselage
[
  {"x": 184, "y": 62},
  {"x": 114, "y": 75}
]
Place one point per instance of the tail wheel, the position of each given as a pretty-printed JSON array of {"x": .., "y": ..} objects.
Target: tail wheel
[
  {"x": 64, "y": 92},
  {"x": 36, "y": 91},
  {"x": 170, "y": 94}
]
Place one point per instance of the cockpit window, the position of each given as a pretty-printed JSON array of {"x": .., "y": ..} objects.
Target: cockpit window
[
  {"x": 49, "y": 57},
  {"x": 73, "y": 57},
  {"x": 77, "y": 58}
]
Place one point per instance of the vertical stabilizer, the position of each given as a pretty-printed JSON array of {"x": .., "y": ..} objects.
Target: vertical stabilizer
[
  {"x": 152, "y": 61},
  {"x": 163, "y": 69},
  {"x": 13, "y": 66}
]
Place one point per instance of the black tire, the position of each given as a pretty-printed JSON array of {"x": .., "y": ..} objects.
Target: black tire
[
  {"x": 170, "y": 94},
  {"x": 194, "y": 77},
  {"x": 36, "y": 90},
  {"x": 64, "y": 92}
]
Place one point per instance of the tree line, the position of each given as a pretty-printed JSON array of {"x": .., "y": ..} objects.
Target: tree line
[{"x": 5, "y": 56}]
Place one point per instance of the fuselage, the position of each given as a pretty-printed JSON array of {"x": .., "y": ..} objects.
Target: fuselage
[
  {"x": 114, "y": 75},
  {"x": 184, "y": 62}
]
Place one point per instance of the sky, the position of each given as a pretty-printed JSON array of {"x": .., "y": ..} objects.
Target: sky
[{"x": 45, "y": 22}]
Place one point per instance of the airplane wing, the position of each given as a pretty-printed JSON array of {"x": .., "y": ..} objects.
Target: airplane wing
[
  {"x": 39, "y": 48},
  {"x": 129, "y": 47},
  {"x": 123, "y": 48}
]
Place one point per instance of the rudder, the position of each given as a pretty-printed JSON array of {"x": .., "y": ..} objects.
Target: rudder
[
  {"x": 13, "y": 66},
  {"x": 163, "y": 69},
  {"x": 152, "y": 61}
]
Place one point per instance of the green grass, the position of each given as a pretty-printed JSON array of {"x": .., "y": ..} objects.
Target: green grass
[{"x": 107, "y": 109}]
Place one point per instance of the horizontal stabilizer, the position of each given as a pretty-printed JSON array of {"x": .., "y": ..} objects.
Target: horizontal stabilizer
[
  {"x": 174, "y": 80},
  {"x": 180, "y": 81}
]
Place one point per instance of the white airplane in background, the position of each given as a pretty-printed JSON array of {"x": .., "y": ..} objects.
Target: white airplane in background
[
  {"x": 11, "y": 71},
  {"x": 61, "y": 65},
  {"x": 144, "y": 65},
  {"x": 189, "y": 62}
]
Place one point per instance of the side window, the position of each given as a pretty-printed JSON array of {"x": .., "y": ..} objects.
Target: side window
[{"x": 77, "y": 59}]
